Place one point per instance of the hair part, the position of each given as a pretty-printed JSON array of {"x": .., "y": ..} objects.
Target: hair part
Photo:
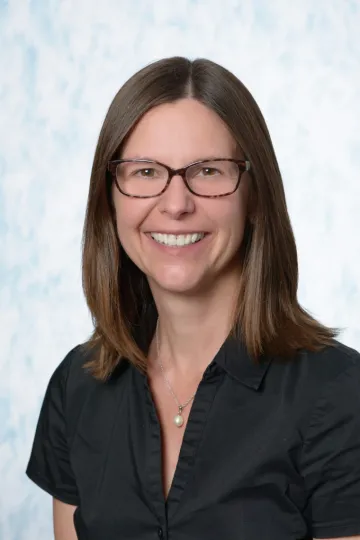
[{"x": 268, "y": 317}]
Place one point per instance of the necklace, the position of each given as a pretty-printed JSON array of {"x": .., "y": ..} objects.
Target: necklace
[{"x": 178, "y": 419}]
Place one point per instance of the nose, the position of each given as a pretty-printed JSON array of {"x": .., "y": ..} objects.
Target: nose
[{"x": 177, "y": 199}]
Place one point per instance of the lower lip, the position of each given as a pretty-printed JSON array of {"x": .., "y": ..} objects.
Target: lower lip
[{"x": 179, "y": 250}]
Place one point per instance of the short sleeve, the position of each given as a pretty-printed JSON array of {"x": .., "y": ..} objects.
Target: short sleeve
[
  {"x": 331, "y": 459},
  {"x": 49, "y": 465}
]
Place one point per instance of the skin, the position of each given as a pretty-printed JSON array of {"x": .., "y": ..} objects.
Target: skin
[
  {"x": 63, "y": 517},
  {"x": 193, "y": 290},
  {"x": 178, "y": 134}
]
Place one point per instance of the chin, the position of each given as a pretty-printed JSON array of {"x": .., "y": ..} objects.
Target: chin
[{"x": 181, "y": 284}]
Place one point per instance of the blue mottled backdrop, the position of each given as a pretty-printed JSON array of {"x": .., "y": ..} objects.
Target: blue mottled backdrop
[{"x": 61, "y": 62}]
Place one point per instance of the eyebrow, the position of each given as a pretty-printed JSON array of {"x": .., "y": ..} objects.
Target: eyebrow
[{"x": 210, "y": 157}]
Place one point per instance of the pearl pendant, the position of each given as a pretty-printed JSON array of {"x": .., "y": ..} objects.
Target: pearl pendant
[{"x": 178, "y": 420}]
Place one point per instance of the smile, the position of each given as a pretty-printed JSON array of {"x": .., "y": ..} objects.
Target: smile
[{"x": 177, "y": 240}]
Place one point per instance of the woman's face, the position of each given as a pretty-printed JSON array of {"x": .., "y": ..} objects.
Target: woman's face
[{"x": 177, "y": 134}]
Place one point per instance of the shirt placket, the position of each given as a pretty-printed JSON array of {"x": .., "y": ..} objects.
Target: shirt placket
[{"x": 165, "y": 510}]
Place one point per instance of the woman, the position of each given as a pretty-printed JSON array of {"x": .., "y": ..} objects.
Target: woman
[{"x": 207, "y": 404}]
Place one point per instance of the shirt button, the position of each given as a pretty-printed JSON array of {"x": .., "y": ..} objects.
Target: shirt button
[{"x": 160, "y": 532}]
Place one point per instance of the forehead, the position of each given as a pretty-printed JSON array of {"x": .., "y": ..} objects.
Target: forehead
[{"x": 180, "y": 132}]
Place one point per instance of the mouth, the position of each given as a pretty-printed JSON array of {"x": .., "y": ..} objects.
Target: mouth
[{"x": 177, "y": 240}]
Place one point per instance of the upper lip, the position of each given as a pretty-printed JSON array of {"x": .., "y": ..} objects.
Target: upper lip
[{"x": 177, "y": 233}]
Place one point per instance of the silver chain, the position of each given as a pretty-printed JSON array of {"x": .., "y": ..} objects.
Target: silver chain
[{"x": 180, "y": 406}]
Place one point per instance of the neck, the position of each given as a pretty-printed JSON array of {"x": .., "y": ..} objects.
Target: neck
[{"x": 191, "y": 330}]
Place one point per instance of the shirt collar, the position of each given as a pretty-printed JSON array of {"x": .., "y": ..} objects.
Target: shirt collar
[{"x": 236, "y": 361}]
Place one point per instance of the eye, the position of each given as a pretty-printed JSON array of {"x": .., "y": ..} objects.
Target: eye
[
  {"x": 145, "y": 173},
  {"x": 209, "y": 171}
]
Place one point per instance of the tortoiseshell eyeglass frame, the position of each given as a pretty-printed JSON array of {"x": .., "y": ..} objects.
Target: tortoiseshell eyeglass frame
[{"x": 244, "y": 165}]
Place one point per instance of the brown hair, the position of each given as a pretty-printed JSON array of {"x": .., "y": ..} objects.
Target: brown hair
[{"x": 268, "y": 316}]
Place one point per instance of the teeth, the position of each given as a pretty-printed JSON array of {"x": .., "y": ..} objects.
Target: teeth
[{"x": 177, "y": 240}]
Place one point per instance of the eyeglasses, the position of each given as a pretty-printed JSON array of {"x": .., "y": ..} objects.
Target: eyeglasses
[{"x": 143, "y": 178}]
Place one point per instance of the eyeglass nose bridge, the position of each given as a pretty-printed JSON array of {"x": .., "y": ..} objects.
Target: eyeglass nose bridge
[{"x": 177, "y": 172}]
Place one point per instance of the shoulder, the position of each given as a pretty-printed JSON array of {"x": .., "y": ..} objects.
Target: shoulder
[
  {"x": 336, "y": 373},
  {"x": 312, "y": 380},
  {"x": 317, "y": 368},
  {"x": 77, "y": 386},
  {"x": 330, "y": 388},
  {"x": 71, "y": 371},
  {"x": 337, "y": 354},
  {"x": 327, "y": 365}
]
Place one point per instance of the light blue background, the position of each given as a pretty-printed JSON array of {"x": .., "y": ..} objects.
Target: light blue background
[{"x": 61, "y": 62}]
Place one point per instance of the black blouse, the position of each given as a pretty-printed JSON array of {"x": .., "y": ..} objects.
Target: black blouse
[{"x": 271, "y": 451}]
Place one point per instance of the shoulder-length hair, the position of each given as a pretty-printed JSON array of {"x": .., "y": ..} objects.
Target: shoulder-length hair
[{"x": 268, "y": 316}]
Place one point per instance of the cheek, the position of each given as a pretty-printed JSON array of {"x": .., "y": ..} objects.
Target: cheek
[
  {"x": 130, "y": 214},
  {"x": 232, "y": 215},
  {"x": 232, "y": 223},
  {"x": 125, "y": 219}
]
